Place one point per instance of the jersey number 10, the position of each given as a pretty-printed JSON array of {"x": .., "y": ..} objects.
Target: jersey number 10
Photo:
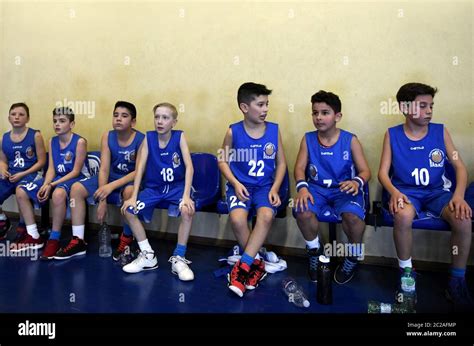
[{"x": 422, "y": 176}]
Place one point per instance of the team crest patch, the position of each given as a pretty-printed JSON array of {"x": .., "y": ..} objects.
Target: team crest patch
[
  {"x": 269, "y": 151},
  {"x": 132, "y": 156},
  {"x": 313, "y": 172},
  {"x": 176, "y": 160},
  {"x": 68, "y": 157},
  {"x": 437, "y": 158},
  {"x": 30, "y": 153}
]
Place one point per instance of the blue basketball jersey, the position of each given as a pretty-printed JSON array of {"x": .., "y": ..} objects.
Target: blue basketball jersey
[
  {"x": 253, "y": 161},
  {"x": 327, "y": 167},
  {"x": 64, "y": 159},
  {"x": 419, "y": 163},
  {"x": 22, "y": 155},
  {"x": 164, "y": 166},
  {"x": 123, "y": 159}
]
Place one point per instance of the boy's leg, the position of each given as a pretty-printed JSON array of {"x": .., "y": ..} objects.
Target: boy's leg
[
  {"x": 147, "y": 199},
  {"x": 76, "y": 246},
  {"x": 461, "y": 237},
  {"x": 126, "y": 238},
  {"x": 403, "y": 234},
  {"x": 6, "y": 190},
  {"x": 240, "y": 226},
  {"x": 179, "y": 264}
]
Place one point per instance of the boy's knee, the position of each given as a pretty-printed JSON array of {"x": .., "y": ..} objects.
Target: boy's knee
[
  {"x": 305, "y": 216},
  {"x": 352, "y": 219},
  {"x": 76, "y": 190},
  {"x": 460, "y": 226},
  {"x": 21, "y": 194},
  {"x": 59, "y": 196},
  {"x": 187, "y": 214},
  {"x": 404, "y": 216},
  {"x": 238, "y": 223},
  {"x": 265, "y": 216},
  {"x": 127, "y": 192}
]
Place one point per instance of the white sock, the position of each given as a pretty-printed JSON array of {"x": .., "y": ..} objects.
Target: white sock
[
  {"x": 405, "y": 263},
  {"x": 313, "y": 244},
  {"x": 145, "y": 246},
  {"x": 3, "y": 217},
  {"x": 78, "y": 231},
  {"x": 33, "y": 231}
]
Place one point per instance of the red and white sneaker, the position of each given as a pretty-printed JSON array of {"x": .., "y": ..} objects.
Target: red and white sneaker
[
  {"x": 52, "y": 247},
  {"x": 76, "y": 247},
  {"x": 238, "y": 277},
  {"x": 257, "y": 274},
  {"x": 27, "y": 242}
]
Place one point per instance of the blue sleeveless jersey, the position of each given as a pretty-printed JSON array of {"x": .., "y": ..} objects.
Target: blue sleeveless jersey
[
  {"x": 123, "y": 159},
  {"x": 253, "y": 161},
  {"x": 419, "y": 163},
  {"x": 64, "y": 159},
  {"x": 164, "y": 166},
  {"x": 22, "y": 155},
  {"x": 327, "y": 167}
]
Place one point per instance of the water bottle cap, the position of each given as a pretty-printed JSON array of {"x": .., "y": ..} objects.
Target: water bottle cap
[
  {"x": 407, "y": 269},
  {"x": 323, "y": 259},
  {"x": 306, "y": 304}
]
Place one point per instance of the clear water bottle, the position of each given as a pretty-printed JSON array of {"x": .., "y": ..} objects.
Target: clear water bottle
[
  {"x": 105, "y": 247},
  {"x": 408, "y": 285},
  {"x": 324, "y": 277},
  {"x": 294, "y": 293}
]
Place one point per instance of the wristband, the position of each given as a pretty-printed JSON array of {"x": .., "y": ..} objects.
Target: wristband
[
  {"x": 359, "y": 180},
  {"x": 300, "y": 184}
]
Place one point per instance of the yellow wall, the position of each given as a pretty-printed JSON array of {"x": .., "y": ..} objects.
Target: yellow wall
[{"x": 196, "y": 54}]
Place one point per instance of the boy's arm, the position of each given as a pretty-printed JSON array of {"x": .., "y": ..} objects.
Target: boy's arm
[
  {"x": 142, "y": 157},
  {"x": 223, "y": 160},
  {"x": 81, "y": 156},
  {"x": 104, "y": 169},
  {"x": 50, "y": 173},
  {"x": 457, "y": 204},
  {"x": 3, "y": 163},
  {"x": 301, "y": 162},
  {"x": 281, "y": 165},
  {"x": 385, "y": 163},
  {"x": 188, "y": 163},
  {"x": 360, "y": 162}
]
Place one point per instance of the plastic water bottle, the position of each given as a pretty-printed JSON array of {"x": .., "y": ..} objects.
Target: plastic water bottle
[
  {"x": 324, "y": 277},
  {"x": 408, "y": 285},
  {"x": 105, "y": 248},
  {"x": 294, "y": 293},
  {"x": 385, "y": 308}
]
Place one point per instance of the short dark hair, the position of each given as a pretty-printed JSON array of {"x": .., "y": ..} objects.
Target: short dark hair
[
  {"x": 329, "y": 98},
  {"x": 20, "y": 104},
  {"x": 130, "y": 106},
  {"x": 410, "y": 91},
  {"x": 66, "y": 111},
  {"x": 249, "y": 91}
]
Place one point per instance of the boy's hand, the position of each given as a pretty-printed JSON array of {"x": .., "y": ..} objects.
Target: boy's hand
[
  {"x": 16, "y": 177},
  {"x": 397, "y": 202},
  {"x": 4, "y": 173},
  {"x": 460, "y": 208},
  {"x": 102, "y": 211},
  {"x": 131, "y": 202},
  {"x": 43, "y": 193},
  {"x": 188, "y": 203},
  {"x": 274, "y": 198},
  {"x": 349, "y": 186},
  {"x": 302, "y": 199},
  {"x": 102, "y": 192},
  {"x": 241, "y": 192}
]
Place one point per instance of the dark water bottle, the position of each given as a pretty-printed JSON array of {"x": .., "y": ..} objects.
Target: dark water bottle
[{"x": 324, "y": 276}]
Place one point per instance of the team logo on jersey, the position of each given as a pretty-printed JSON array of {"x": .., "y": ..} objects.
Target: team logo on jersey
[
  {"x": 436, "y": 158},
  {"x": 269, "y": 151},
  {"x": 30, "y": 153},
  {"x": 313, "y": 172},
  {"x": 176, "y": 160},
  {"x": 68, "y": 157},
  {"x": 133, "y": 156}
]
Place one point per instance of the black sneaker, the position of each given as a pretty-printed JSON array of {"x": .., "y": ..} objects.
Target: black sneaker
[
  {"x": 123, "y": 246},
  {"x": 313, "y": 259},
  {"x": 76, "y": 247},
  {"x": 458, "y": 294},
  {"x": 4, "y": 228},
  {"x": 345, "y": 271}
]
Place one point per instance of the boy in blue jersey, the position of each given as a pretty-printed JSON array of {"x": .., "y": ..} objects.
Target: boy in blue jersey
[
  {"x": 165, "y": 166},
  {"x": 254, "y": 172},
  {"x": 67, "y": 164},
  {"x": 22, "y": 156},
  {"x": 326, "y": 182},
  {"x": 113, "y": 184},
  {"x": 417, "y": 151}
]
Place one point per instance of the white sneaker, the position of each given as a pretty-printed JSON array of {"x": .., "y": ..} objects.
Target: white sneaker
[
  {"x": 179, "y": 266},
  {"x": 145, "y": 261}
]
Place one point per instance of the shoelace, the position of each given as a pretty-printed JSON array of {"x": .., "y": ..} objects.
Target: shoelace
[
  {"x": 71, "y": 244},
  {"x": 348, "y": 266},
  {"x": 239, "y": 276},
  {"x": 313, "y": 262},
  {"x": 255, "y": 273},
  {"x": 179, "y": 259}
]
